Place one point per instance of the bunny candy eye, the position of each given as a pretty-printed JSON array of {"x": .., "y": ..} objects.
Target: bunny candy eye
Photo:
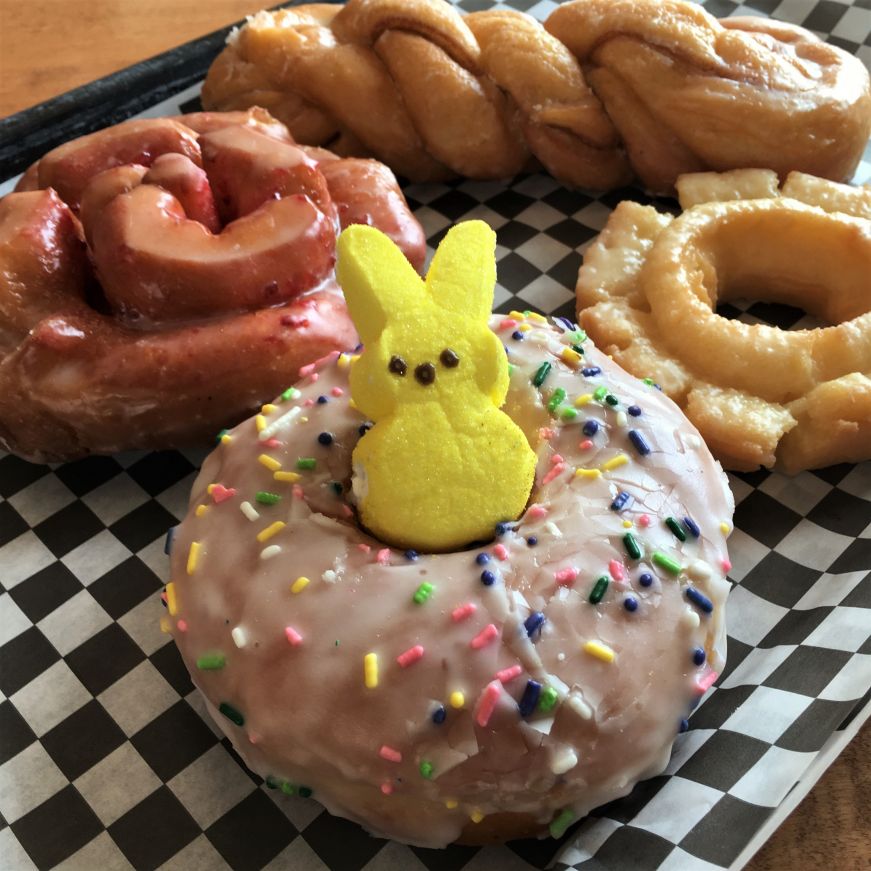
[
  {"x": 449, "y": 358},
  {"x": 425, "y": 373},
  {"x": 397, "y": 366}
]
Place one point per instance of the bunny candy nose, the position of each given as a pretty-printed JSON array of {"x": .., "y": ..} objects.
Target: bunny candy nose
[{"x": 425, "y": 374}]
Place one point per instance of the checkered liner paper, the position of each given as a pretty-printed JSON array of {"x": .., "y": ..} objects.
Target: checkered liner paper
[{"x": 109, "y": 761}]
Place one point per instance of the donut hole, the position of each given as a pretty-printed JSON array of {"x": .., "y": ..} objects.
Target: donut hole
[{"x": 772, "y": 314}]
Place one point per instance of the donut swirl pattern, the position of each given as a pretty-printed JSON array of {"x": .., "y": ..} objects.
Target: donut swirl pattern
[
  {"x": 603, "y": 92},
  {"x": 650, "y": 285},
  {"x": 489, "y": 693},
  {"x": 158, "y": 278}
]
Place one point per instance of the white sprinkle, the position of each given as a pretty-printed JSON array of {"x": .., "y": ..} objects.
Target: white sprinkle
[
  {"x": 580, "y": 707},
  {"x": 699, "y": 570},
  {"x": 561, "y": 657},
  {"x": 271, "y": 551},
  {"x": 565, "y": 759},
  {"x": 240, "y": 636},
  {"x": 280, "y": 423},
  {"x": 553, "y": 529},
  {"x": 690, "y": 618},
  {"x": 693, "y": 441},
  {"x": 329, "y": 576},
  {"x": 621, "y": 418},
  {"x": 249, "y": 511}
]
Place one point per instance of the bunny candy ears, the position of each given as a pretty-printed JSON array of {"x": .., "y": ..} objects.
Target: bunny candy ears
[{"x": 442, "y": 465}]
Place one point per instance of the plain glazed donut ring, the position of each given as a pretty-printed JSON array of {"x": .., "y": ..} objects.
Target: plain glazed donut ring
[
  {"x": 649, "y": 287},
  {"x": 160, "y": 279},
  {"x": 602, "y": 92},
  {"x": 482, "y": 694}
]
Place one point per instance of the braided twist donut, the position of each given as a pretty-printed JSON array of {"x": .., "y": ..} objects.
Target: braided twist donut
[
  {"x": 161, "y": 278},
  {"x": 650, "y": 284},
  {"x": 604, "y": 91}
]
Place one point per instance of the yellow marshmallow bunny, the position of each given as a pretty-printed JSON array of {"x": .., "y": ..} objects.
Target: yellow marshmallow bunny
[{"x": 442, "y": 465}]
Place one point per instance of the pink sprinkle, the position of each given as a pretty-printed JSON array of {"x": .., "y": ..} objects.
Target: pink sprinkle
[
  {"x": 254, "y": 737},
  {"x": 644, "y": 520},
  {"x": 314, "y": 376},
  {"x": 182, "y": 625},
  {"x": 484, "y": 637},
  {"x": 346, "y": 510},
  {"x": 507, "y": 674},
  {"x": 556, "y": 470},
  {"x": 383, "y": 556},
  {"x": 566, "y": 577},
  {"x": 272, "y": 443},
  {"x": 387, "y": 788},
  {"x": 461, "y": 612},
  {"x": 337, "y": 391},
  {"x": 389, "y": 754},
  {"x": 326, "y": 359},
  {"x": 220, "y": 493},
  {"x": 298, "y": 492},
  {"x": 411, "y": 656},
  {"x": 586, "y": 444},
  {"x": 616, "y": 570},
  {"x": 501, "y": 552},
  {"x": 309, "y": 403},
  {"x": 307, "y": 369},
  {"x": 536, "y": 512},
  {"x": 545, "y": 433},
  {"x": 293, "y": 636},
  {"x": 726, "y": 563},
  {"x": 364, "y": 547},
  {"x": 556, "y": 459},
  {"x": 507, "y": 324},
  {"x": 489, "y": 699},
  {"x": 706, "y": 681}
]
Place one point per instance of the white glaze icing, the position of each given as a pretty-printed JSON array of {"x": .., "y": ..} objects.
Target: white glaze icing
[{"x": 298, "y": 680}]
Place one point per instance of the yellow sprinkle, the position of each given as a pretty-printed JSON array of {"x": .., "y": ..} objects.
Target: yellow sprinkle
[
  {"x": 725, "y": 528},
  {"x": 260, "y": 422},
  {"x": 351, "y": 403},
  {"x": 269, "y": 408},
  {"x": 535, "y": 316},
  {"x": 627, "y": 524},
  {"x": 588, "y": 473},
  {"x": 583, "y": 399},
  {"x": 370, "y": 670},
  {"x": 165, "y": 625},
  {"x": 599, "y": 650},
  {"x": 201, "y": 510},
  {"x": 210, "y": 488},
  {"x": 270, "y": 462},
  {"x": 343, "y": 361},
  {"x": 272, "y": 529},
  {"x": 451, "y": 803},
  {"x": 572, "y": 357},
  {"x": 615, "y": 462},
  {"x": 303, "y": 420},
  {"x": 457, "y": 699},
  {"x": 476, "y": 816},
  {"x": 171, "y": 599},
  {"x": 193, "y": 556},
  {"x": 524, "y": 328},
  {"x": 226, "y": 438},
  {"x": 518, "y": 316},
  {"x": 289, "y": 477},
  {"x": 300, "y": 584}
]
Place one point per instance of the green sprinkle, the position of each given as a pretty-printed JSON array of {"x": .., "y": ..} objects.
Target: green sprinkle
[
  {"x": 305, "y": 791},
  {"x": 676, "y": 529},
  {"x": 337, "y": 642},
  {"x": 426, "y": 769},
  {"x": 568, "y": 413},
  {"x": 600, "y": 393},
  {"x": 611, "y": 399},
  {"x": 648, "y": 381},
  {"x": 307, "y": 463},
  {"x": 598, "y": 591},
  {"x": 231, "y": 713},
  {"x": 267, "y": 498},
  {"x": 547, "y": 700},
  {"x": 511, "y": 368},
  {"x": 556, "y": 399},
  {"x": 578, "y": 336},
  {"x": 422, "y": 593},
  {"x": 631, "y": 545},
  {"x": 541, "y": 374},
  {"x": 667, "y": 563},
  {"x": 288, "y": 788},
  {"x": 272, "y": 782},
  {"x": 560, "y": 823},
  {"x": 291, "y": 393},
  {"x": 221, "y": 434},
  {"x": 211, "y": 661},
  {"x": 578, "y": 349}
]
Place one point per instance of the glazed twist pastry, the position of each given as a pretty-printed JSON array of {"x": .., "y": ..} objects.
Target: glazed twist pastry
[
  {"x": 605, "y": 91},
  {"x": 161, "y": 278}
]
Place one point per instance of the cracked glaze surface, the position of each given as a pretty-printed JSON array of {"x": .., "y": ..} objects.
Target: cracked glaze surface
[{"x": 282, "y": 662}]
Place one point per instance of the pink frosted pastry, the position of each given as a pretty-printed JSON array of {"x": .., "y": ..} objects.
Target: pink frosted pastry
[{"x": 494, "y": 692}]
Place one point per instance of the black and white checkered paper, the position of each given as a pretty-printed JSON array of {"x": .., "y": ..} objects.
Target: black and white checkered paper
[{"x": 109, "y": 761}]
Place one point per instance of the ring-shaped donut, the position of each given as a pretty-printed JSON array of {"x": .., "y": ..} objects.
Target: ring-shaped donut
[
  {"x": 482, "y": 694},
  {"x": 649, "y": 289}
]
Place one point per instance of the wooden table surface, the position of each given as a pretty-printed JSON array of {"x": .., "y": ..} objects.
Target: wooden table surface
[{"x": 50, "y": 46}]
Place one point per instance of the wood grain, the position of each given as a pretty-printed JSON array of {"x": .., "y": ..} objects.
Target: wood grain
[{"x": 50, "y": 46}]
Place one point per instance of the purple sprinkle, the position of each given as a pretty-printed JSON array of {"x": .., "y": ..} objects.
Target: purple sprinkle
[
  {"x": 684, "y": 725},
  {"x": 533, "y": 623},
  {"x": 411, "y": 555},
  {"x": 700, "y": 599},
  {"x": 488, "y": 578},
  {"x": 692, "y": 527},
  {"x": 517, "y": 336},
  {"x": 623, "y": 500},
  {"x": 698, "y": 655},
  {"x": 590, "y": 371},
  {"x": 591, "y": 427},
  {"x": 439, "y": 715},
  {"x": 322, "y": 400},
  {"x": 529, "y": 699},
  {"x": 646, "y": 579},
  {"x": 532, "y": 541},
  {"x": 482, "y": 559},
  {"x": 630, "y": 603},
  {"x": 638, "y": 442},
  {"x": 634, "y": 410},
  {"x": 565, "y": 322}
]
